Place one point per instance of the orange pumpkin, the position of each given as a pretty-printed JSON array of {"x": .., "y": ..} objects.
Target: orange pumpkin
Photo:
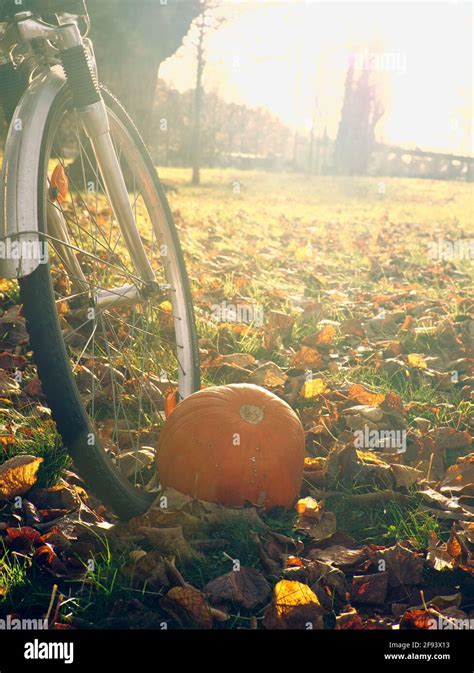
[{"x": 231, "y": 444}]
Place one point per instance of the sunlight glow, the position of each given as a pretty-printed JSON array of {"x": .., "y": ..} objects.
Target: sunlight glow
[{"x": 284, "y": 55}]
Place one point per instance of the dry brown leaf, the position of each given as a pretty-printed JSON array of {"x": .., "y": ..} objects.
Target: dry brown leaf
[
  {"x": 8, "y": 385},
  {"x": 418, "y": 619},
  {"x": 405, "y": 476},
  {"x": 243, "y": 588},
  {"x": 282, "y": 321},
  {"x": 453, "y": 546},
  {"x": 353, "y": 327},
  {"x": 450, "y": 438},
  {"x": 268, "y": 375},
  {"x": 170, "y": 541},
  {"x": 317, "y": 529},
  {"x": 323, "y": 337},
  {"x": 459, "y": 475},
  {"x": 307, "y": 357},
  {"x": 369, "y": 589},
  {"x": 18, "y": 475},
  {"x": 147, "y": 568},
  {"x": 188, "y": 606},
  {"x": 339, "y": 556},
  {"x": 404, "y": 567},
  {"x": 364, "y": 396}
]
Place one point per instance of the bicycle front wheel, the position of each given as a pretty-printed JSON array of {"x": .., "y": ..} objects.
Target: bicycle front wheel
[{"x": 108, "y": 348}]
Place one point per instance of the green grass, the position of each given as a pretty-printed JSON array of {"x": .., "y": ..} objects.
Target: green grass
[
  {"x": 41, "y": 439},
  {"x": 239, "y": 545},
  {"x": 13, "y": 573},
  {"x": 289, "y": 240},
  {"x": 387, "y": 523}
]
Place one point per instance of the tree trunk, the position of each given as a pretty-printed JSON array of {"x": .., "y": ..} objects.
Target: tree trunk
[
  {"x": 130, "y": 41},
  {"x": 196, "y": 140}
]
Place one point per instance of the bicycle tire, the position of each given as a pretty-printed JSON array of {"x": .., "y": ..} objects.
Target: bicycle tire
[{"x": 51, "y": 358}]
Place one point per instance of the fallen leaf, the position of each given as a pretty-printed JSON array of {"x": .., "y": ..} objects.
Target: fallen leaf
[
  {"x": 318, "y": 529},
  {"x": 307, "y": 357},
  {"x": 170, "y": 541},
  {"x": 459, "y": 475},
  {"x": 171, "y": 402},
  {"x": 18, "y": 475},
  {"x": 56, "y": 497},
  {"x": 188, "y": 606},
  {"x": 364, "y": 396},
  {"x": 450, "y": 438},
  {"x": 294, "y": 606},
  {"x": 244, "y": 588},
  {"x": 354, "y": 327},
  {"x": 453, "y": 546},
  {"x": 323, "y": 337},
  {"x": 418, "y": 619},
  {"x": 405, "y": 476},
  {"x": 416, "y": 360},
  {"x": 147, "y": 568},
  {"x": 313, "y": 388},
  {"x": 348, "y": 621},
  {"x": 369, "y": 589},
  {"x": 268, "y": 375},
  {"x": 309, "y": 507},
  {"x": 340, "y": 556},
  {"x": 404, "y": 567},
  {"x": 8, "y": 385}
]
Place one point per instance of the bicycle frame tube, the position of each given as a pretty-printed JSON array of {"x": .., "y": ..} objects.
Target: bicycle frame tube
[{"x": 96, "y": 125}]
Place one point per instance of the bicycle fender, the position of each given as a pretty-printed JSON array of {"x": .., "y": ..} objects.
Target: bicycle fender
[{"x": 21, "y": 247}]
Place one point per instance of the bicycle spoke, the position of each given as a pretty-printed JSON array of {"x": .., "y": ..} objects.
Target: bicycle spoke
[{"x": 126, "y": 353}]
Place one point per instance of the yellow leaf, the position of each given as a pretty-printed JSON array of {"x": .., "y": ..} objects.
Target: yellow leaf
[
  {"x": 289, "y": 594},
  {"x": 369, "y": 457},
  {"x": 304, "y": 252},
  {"x": 416, "y": 360},
  {"x": 313, "y": 388},
  {"x": 314, "y": 463},
  {"x": 166, "y": 306},
  {"x": 308, "y": 507},
  {"x": 18, "y": 475}
]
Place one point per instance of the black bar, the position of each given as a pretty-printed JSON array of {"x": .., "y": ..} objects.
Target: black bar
[{"x": 311, "y": 650}]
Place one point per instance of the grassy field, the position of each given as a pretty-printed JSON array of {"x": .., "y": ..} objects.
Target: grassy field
[{"x": 342, "y": 289}]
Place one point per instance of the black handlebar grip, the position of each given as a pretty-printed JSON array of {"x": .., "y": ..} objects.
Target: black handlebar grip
[
  {"x": 81, "y": 76},
  {"x": 8, "y": 8},
  {"x": 57, "y": 6}
]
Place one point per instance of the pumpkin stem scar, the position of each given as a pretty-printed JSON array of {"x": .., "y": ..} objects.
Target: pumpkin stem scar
[{"x": 251, "y": 413}]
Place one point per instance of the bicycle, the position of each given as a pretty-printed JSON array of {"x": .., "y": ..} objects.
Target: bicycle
[{"x": 102, "y": 278}]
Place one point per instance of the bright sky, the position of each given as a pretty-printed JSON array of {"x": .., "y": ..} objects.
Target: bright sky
[{"x": 283, "y": 54}]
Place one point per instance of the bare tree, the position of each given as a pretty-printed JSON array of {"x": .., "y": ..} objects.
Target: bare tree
[
  {"x": 206, "y": 22},
  {"x": 361, "y": 111}
]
